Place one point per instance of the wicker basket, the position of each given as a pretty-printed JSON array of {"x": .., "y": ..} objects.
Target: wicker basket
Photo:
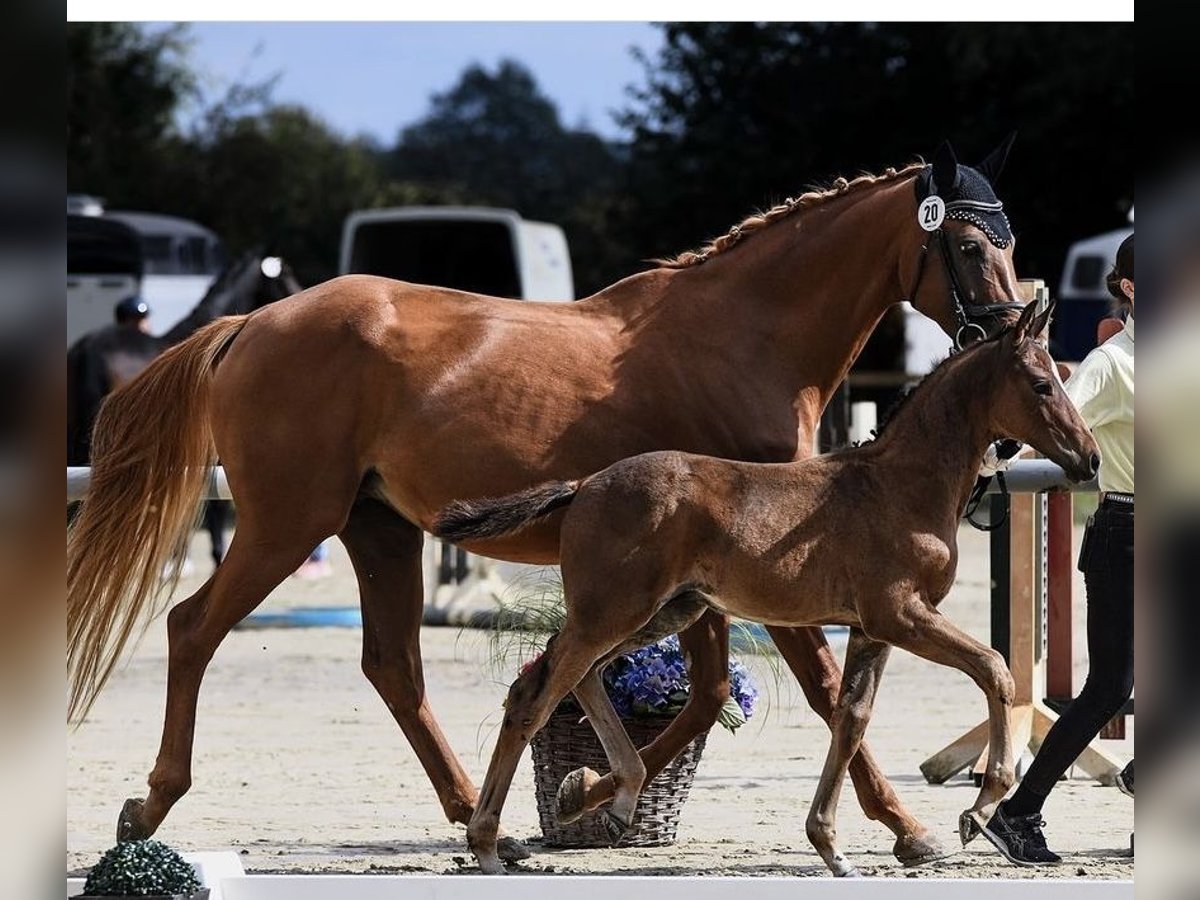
[{"x": 568, "y": 743}]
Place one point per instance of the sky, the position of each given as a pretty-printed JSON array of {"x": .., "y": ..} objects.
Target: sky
[{"x": 375, "y": 78}]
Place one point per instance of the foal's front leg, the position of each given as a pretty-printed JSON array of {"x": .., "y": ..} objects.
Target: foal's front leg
[
  {"x": 809, "y": 656},
  {"x": 919, "y": 628},
  {"x": 865, "y": 660}
]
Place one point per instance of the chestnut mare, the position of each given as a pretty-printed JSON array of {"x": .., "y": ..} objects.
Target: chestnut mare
[
  {"x": 362, "y": 406},
  {"x": 865, "y": 538}
]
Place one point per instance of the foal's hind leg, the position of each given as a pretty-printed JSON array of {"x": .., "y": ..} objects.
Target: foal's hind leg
[
  {"x": 628, "y": 773},
  {"x": 705, "y": 645},
  {"x": 386, "y": 549},
  {"x": 531, "y": 699},
  {"x": 865, "y": 660},
  {"x": 257, "y": 561},
  {"x": 812, "y": 661}
]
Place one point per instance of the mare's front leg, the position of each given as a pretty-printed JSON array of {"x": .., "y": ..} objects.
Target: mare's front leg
[
  {"x": 914, "y": 625},
  {"x": 865, "y": 660}
]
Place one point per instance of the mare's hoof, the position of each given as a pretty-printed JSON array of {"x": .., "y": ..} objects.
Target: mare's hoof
[
  {"x": 129, "y": 823},
  {"x": 970, "y": 826},
  {"x": 919, "y": 850},
  {"x": 572, "y": 793},
  {"x": 510, "y": 850},
  {"x": 615, "y": 826}
]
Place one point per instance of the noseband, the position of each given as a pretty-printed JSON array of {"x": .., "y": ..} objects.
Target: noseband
[{"x": 968, "y": 320}]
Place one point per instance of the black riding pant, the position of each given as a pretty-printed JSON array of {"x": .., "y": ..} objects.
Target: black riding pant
[{"x": 1106, "y": 560}]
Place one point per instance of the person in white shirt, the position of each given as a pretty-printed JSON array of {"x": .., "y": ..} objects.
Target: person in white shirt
[{"x": 1102, "y": 389}]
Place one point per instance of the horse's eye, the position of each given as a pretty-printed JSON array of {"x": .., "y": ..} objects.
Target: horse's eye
[
  {"x": 1044, "y": 388},
  {"x": 970, "y": 248}
]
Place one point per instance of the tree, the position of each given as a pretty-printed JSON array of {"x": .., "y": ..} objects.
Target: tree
[
  {"x": 124, "y": 86},
  {"x": 737, "y": 115},
  {"x": 281, "y": 177},
  {"x": 497, "y": 139}
]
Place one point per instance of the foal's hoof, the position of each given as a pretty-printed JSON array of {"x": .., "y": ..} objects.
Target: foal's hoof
[
  {"x": 615, "y": 826},
  {"x": 572, "y": 794},
  {"x": 970, "y": 825},
  {"x": 130, "y": 826},
  {"x": 842, "y": 868},
  {"x": 919, "y": 850},
  {"x": 510, "y": 850},
  {"x": 489, "y": 864}
]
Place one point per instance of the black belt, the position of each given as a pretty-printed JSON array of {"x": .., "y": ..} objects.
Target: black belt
[{"x": 1117, "y": 497}]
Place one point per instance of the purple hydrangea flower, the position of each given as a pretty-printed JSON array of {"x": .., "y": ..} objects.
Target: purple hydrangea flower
[{"x": 653, "y": 681}]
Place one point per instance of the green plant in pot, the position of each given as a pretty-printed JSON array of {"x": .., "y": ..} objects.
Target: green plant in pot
[{"x": 146, "y": 869}]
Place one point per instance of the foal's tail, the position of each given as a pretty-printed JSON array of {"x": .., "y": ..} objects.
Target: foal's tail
[
  {"x": 474, "y": 519},
  {"x": 151, "y": 450}
]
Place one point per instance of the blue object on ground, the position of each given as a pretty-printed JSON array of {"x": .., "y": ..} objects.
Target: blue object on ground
[{"x": 305, "y": 617}]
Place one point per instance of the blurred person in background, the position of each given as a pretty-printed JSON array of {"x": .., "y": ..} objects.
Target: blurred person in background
[
  {"x": 102, "y": 361},
  {"x": 1102, "y": 389}
]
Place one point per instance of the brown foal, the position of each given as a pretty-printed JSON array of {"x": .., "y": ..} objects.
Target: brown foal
[
  {"x": 865, "y": 538},
  {"x": 362, "y": 406}
]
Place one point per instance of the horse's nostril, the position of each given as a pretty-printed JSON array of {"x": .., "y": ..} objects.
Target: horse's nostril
[{"x": 1095, "y": 461}]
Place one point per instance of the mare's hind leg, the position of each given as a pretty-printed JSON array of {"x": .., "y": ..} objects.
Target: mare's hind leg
[
  {"x": 865, "y": 660},
  {"x": 812, "y": 661},
  {"x": 385, "y": 549},
  {"x": 259, "y": 558}
]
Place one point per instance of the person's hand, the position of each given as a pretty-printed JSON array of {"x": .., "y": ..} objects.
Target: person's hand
[{"x": 999, "y": 457}]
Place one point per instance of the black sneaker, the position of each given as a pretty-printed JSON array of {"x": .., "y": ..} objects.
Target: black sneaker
[
  {"x": 1125, "y": 780},
  {"x": 1020, "y": 839}
]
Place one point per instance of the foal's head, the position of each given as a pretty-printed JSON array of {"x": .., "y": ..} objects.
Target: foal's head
[{"x": 1028, "y": 401}]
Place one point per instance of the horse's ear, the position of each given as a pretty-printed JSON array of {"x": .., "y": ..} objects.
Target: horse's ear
[
  {"x": 945, "y": 169},
  {"x": 993, "y": 165},
  {"x": 1042, "y": 321},
  {"x": 1024, "y": 329}
]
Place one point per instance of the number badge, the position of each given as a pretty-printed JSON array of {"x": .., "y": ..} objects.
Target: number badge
[{"x": 931, "y": 213}]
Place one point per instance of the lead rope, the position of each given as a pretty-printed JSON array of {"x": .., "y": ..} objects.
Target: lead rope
[{"x": 977, "y": 495}]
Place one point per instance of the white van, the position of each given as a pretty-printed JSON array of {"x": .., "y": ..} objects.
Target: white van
[
  {"x": 170, "y": 262},
  {"x": 1083, "y": 295},
  {"x": 104, "y": 266},
  {"x": 180, "y": 261},
  {"x": 469, "y": 248}
]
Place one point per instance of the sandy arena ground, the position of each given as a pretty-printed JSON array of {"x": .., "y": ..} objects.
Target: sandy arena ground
[{"x": 300, "y": 768}]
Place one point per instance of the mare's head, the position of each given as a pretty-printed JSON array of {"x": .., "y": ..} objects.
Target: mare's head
[
  {"x": 960, "y": 270},
  {"x": 1028, "y": 401}
]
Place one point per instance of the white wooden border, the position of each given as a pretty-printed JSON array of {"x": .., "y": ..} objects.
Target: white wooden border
[{"x": 666, "y": 887}]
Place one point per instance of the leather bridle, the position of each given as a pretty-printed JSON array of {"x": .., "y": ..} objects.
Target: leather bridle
[{"x": 968, "y": 320}]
